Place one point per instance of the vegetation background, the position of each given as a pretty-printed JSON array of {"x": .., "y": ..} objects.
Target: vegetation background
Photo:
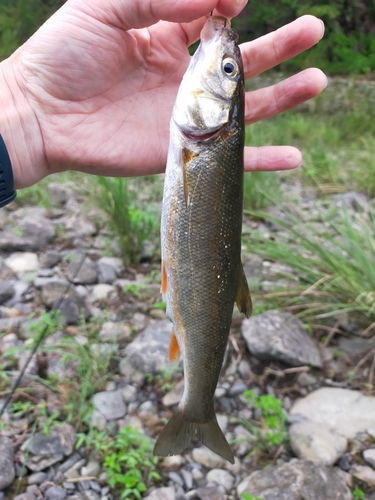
[{"x": 348, "y": 46}]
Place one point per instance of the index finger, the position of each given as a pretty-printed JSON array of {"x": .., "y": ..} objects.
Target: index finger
[{"x": 274, "y": 48}]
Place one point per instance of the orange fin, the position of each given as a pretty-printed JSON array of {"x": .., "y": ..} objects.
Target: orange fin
[
  {"x": 164, "y": 279},
  {"x": 243, "y": 299},
  {"x": 174, "y": 348},
  {"x": 187, "y": 155}
]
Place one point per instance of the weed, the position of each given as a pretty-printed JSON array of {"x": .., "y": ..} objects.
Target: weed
[
  {"x": 261, "y": 189},
  {"x": 159, "y": 305},
  {"x": 358, "y": 494},
  {"x": 128, "y": 221},
  {"x": 128, "y": 460},
  {"x": 246, "y": 496},
  {"x": 165, "y": 377},
  {"x": 336, "y": 268},
  {"x": 271, "y": 431},
  {"x": 135, "y": 289}
]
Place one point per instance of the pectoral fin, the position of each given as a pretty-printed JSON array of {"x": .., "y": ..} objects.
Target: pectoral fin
[
  {"x": 243, "y": 299},
  {"x": 164, "y": 279},
  {"x": 174, "y": 348}
]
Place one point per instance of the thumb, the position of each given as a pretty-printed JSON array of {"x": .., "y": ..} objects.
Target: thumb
[{"x": 127, "y": 14}]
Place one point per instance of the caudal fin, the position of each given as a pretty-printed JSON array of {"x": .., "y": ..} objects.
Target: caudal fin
[{"x": 179, "y": 432}]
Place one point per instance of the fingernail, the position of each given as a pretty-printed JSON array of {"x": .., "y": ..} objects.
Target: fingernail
[{"x": 241, "y": 3}]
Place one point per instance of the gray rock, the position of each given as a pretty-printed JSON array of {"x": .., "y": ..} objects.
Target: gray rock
[
  {"x": 364, "y": 473},
  {"x": 188, "y": 478},
  {"x": 221, "y": 477},
  {"x": 114, "y": 262},
  {"x": 166, "y": 493},
  {"x": 70, "y": 462},
  {"x": 207, "y": 458},
  {"x": 61, "y": 440},
  {"x": 92, "y": 468},
  {"x": 72, "y": 309},
  {"x": 281, "y": 336},
  {"x": 369, "y": 456},
  {"x": 90, "y": 495},
  {"x": 210, "y": 493},
  {"x": 103, "y": 291},
  {"x": 129, "y": 393},
  {"x": 115, "y": 332},
  {"x": 31, "y": 234},
  {"x": 110, "y": 404},
  {"x": 355, "y": 347},
  {"x": 83, "y": 270},
  {"x": 6, "y": 291},
  {"x": 55, "y": 493},
  {"x": 37, "y": 478},
  {"x": 25, "y": 496},
  {"x": 173, "y": 397},
  {"x": 348, "y": 412},
  {"x": 56, "y": 290},
  {"x": 7, "y": 472},
  {"x": 351, "y": 200},
  {"x": 49, "y": 259},
  {"x": 148, "y": 353},
  {"x": 316, "y": 442},
  {"x": 59, "y": 193},
  {"x": 106, "y": 273},
  {"x": 295, "y": 480},
  {"x": 21, "y": 262}
]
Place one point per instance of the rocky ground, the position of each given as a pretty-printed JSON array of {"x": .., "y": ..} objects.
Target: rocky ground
[{"x": 56, "y": 259}]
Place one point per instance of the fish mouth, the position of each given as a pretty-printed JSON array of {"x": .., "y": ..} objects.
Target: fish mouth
[{"x": 198, "y": 136}]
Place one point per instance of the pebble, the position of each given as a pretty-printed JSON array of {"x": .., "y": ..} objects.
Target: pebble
[
  {"x": 348, "y": 412},
  {"x": 364, "y": 473},
  {"x": 210, "y": 493},
  {"x": 7, "y": 472},
  {"x": 295, "y": 480},
  {"x": 110, "y": 404},
  {"x": 21, "y": 262},
  {"x": 55, "y": 493},
  {"x": 280, "y": 336},
  {"x": 316, "y": 442},
  {"x": 82, "y": 270},
  {"x": 221, "y": 477},
  {"x": 149, "y": 351},
  {"x": 369, "y": 456},
  {"x": 37, "y": 478},
  {"x": 166, "y": 493},
  {"x": 129, "y": 393},
  {"x": 207, "y": 458},
  {"x": 92, "y": 468},
  {"x": 103, "y": 291}
]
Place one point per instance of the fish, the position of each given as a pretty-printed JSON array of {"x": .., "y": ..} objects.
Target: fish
[{"x": 201, "y": 225}]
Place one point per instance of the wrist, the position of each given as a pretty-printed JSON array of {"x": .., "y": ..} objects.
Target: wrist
[{"x": 19, "y": 128}]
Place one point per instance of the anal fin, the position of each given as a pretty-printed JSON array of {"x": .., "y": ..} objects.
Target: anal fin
[
  {"x": 174, "y": 348},
  {"x": 243, "y": 299}
]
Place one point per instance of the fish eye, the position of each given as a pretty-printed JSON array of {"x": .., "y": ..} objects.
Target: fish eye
[{"x": 230, "y": 67}]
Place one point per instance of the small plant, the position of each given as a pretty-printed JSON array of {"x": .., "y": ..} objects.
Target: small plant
[
  {"x": 135, "y": 289},
  {"x": 246, "y": 496},
  {"x": 129, "y": 462},
  {"x": 358, "y": 494},
  {"x": 270, "y": 432},
  {"x": 131, "y": 223}
]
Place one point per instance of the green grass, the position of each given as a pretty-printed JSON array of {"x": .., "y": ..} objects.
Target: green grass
[
  {"x": 336, "y": 267},
  {"x": 270, "y": 432},
  {"x": 338, "y": 148},
  {"x": 129, "y": 219}
]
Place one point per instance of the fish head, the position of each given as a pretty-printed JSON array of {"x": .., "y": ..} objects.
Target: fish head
[{"x": 211, "y": 91}]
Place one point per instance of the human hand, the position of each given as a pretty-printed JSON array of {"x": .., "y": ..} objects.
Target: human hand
[{"x": 94, "y": 88}]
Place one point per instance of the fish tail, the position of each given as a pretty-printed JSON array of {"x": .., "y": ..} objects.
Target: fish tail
[{"x": 179, "y": 432}]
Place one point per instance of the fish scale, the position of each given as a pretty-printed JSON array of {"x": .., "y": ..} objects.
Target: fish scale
[{"x": 201, "y": 231}]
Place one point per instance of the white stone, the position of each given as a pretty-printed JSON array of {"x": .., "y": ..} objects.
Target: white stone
[
  {"x": 207, "y": 458},
  {"x": 369, "y": 456},
  {"x": 21, "y": 262},
  {"x": 222, "y": 420},
  {"x": 102, "y": 291},
  {"x": 221, "y": 477},
  {"x": 173, "y": 397},
  {"x": 166, "y": 493},
  {"x": 316, "y": 442},
  {"x": 346, "y": 411},
  {"x": 115, "y": 262},
  {"x": 364, "y": 473}
]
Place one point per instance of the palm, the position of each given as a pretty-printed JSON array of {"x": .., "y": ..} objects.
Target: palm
[{"x": 108, "y": 96}]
